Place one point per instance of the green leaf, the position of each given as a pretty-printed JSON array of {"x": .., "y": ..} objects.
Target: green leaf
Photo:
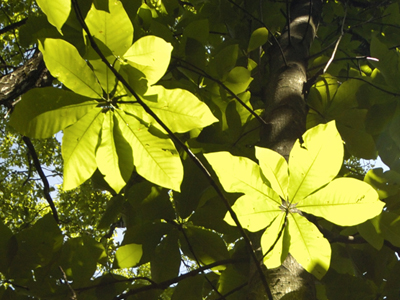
[
  {"x": 104, "y": 26},
  {"x": 308, "y": 246},
  {"x": 107, "y": 157},
  {"x": 189, "y": 289},
  {"x": 254, "y": 212},
  {"x": 225, "y": 61},
  {"x": 104, "y": 75},
  {"x": 167, "y": 258},
  {"x": 390, "y": 227},
  {"x": 80, "y": 257},
  {"x": 147, "y": 234},
  {"x": 205, "y": 245},
  {"x": 370, "y": 231},
  {"x": 150, "y": 55},
  {"x": 258, "y": 38},
  {"x": 79, "y": 148},
  {"x": 56, "y": 110},
  {"x": 240, "y": 175},
  {"x": 179, "y": 109},
  {"x": 270, "y": 236},
  {"x": 36, "y": 246},
  {"x": 123, "y": 150},
  {"x": 114, "y": 208},
  {"x": 155, "y": 158},
  {"x": 344, "y": 201},
  {"x": 388, "y": 63},
  {"x": 198, "y": 30},
  {"x": 275, "y": 170},
  {"x": 5, "y": 253},
  {"x": 382, "y": 183},
  {"x": 238, "y": 80},
  {"x": 128, "y": 255},
  {"x": 64, "y": 62},
  {"x": 315, "y": 161},
  {"x": 57, "y": 11}
]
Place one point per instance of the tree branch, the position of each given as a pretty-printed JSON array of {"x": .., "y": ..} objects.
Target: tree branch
[
  {"x": 46, "y": 188},
  {"x": 13, "y": 26},
  {"x": 191, "y": 155},
  {"x": 165, "y": 284}
]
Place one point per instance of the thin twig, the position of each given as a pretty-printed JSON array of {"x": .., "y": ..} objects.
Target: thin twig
[
  {"x": 198, "y": 263},
  {"x": 201, "y": 72},
  {"x": 288, "y": 21},
  {"x": 337, "y": 42},
  {"x": 192, "y": 156},
  {"x": 46, "y": 186},
  {"x": 165, "y": 284},
  {"x": 73, "y": 297},
  {"x": 263, "y": 24}
]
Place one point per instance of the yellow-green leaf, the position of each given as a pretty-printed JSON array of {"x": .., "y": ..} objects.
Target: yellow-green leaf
[
  {"x": 57, "y": 11},
  {"x": 308, "y": 246},
  {"x": 106, "y": 155},
  {"x": 258, "y": 38},
  {"x": 79, "y": 148},
  {"x": 315, "y": 162},
  {"x": 155, "y": 158},
  {"x": 179, "y": 109},
  {"x": 150, "y": 55},
  {"x": 254, "y": 212},
  {"x": 113, "y": 28},
  {"x": 45, "y": 111},
  {"x": 64, "y": 62},
  {"x": 240, "y": 175},
  {"x": 128, "y": 255},
  {"x": 275, "y": 169},
  {"x": 344, "y": 201},
  {"x": 270, "y": 236}
]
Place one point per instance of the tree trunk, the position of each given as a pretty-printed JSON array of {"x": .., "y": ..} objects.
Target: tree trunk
[
  {"x": 286, "y": 117},
  {"x": 31, "y": 75}
]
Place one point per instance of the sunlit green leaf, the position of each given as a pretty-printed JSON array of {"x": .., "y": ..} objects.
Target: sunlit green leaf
[
  {"x": 107, "y": 156},
  {"x": 79, "y": 148},
  {"x": 275, "y": 169},
  {"x": 128, "y": 255},
  {"x": 344, "y": 201},
  {"x": 150, "y": 55},
  {"x": 64, "y": 62},
  {"x": 258, "y": 38},
  {"x": 240, "y": 175},
  {"x": 56, "y": 110},
  {"x": 271, "y": 238},
  {"x": 155, "y": 158},
  {"x": 104, "y": 26},
  {"x": 315, "y": 161},
  {"x": 179, "y": 109},
  {"x": 308, "y": 246},
  {"x": 254, "y": 213},
  {"x": 57, "y": 11}
]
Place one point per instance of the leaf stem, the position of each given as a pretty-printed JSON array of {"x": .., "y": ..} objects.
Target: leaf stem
[{"x": 192, "y": 156}]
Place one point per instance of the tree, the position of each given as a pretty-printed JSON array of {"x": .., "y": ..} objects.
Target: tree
[{"x": 224, "y": 136}]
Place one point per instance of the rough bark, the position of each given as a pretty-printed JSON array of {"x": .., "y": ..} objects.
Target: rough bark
[
  {"x": 30, "y": 75},
  {"x": 286, "y": 116}
]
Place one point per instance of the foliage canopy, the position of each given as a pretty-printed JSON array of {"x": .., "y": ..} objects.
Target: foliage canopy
[{"x": 163, "y": 107}]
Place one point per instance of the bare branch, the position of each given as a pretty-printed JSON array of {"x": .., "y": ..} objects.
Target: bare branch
[{"x": 46, "y": 188}]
